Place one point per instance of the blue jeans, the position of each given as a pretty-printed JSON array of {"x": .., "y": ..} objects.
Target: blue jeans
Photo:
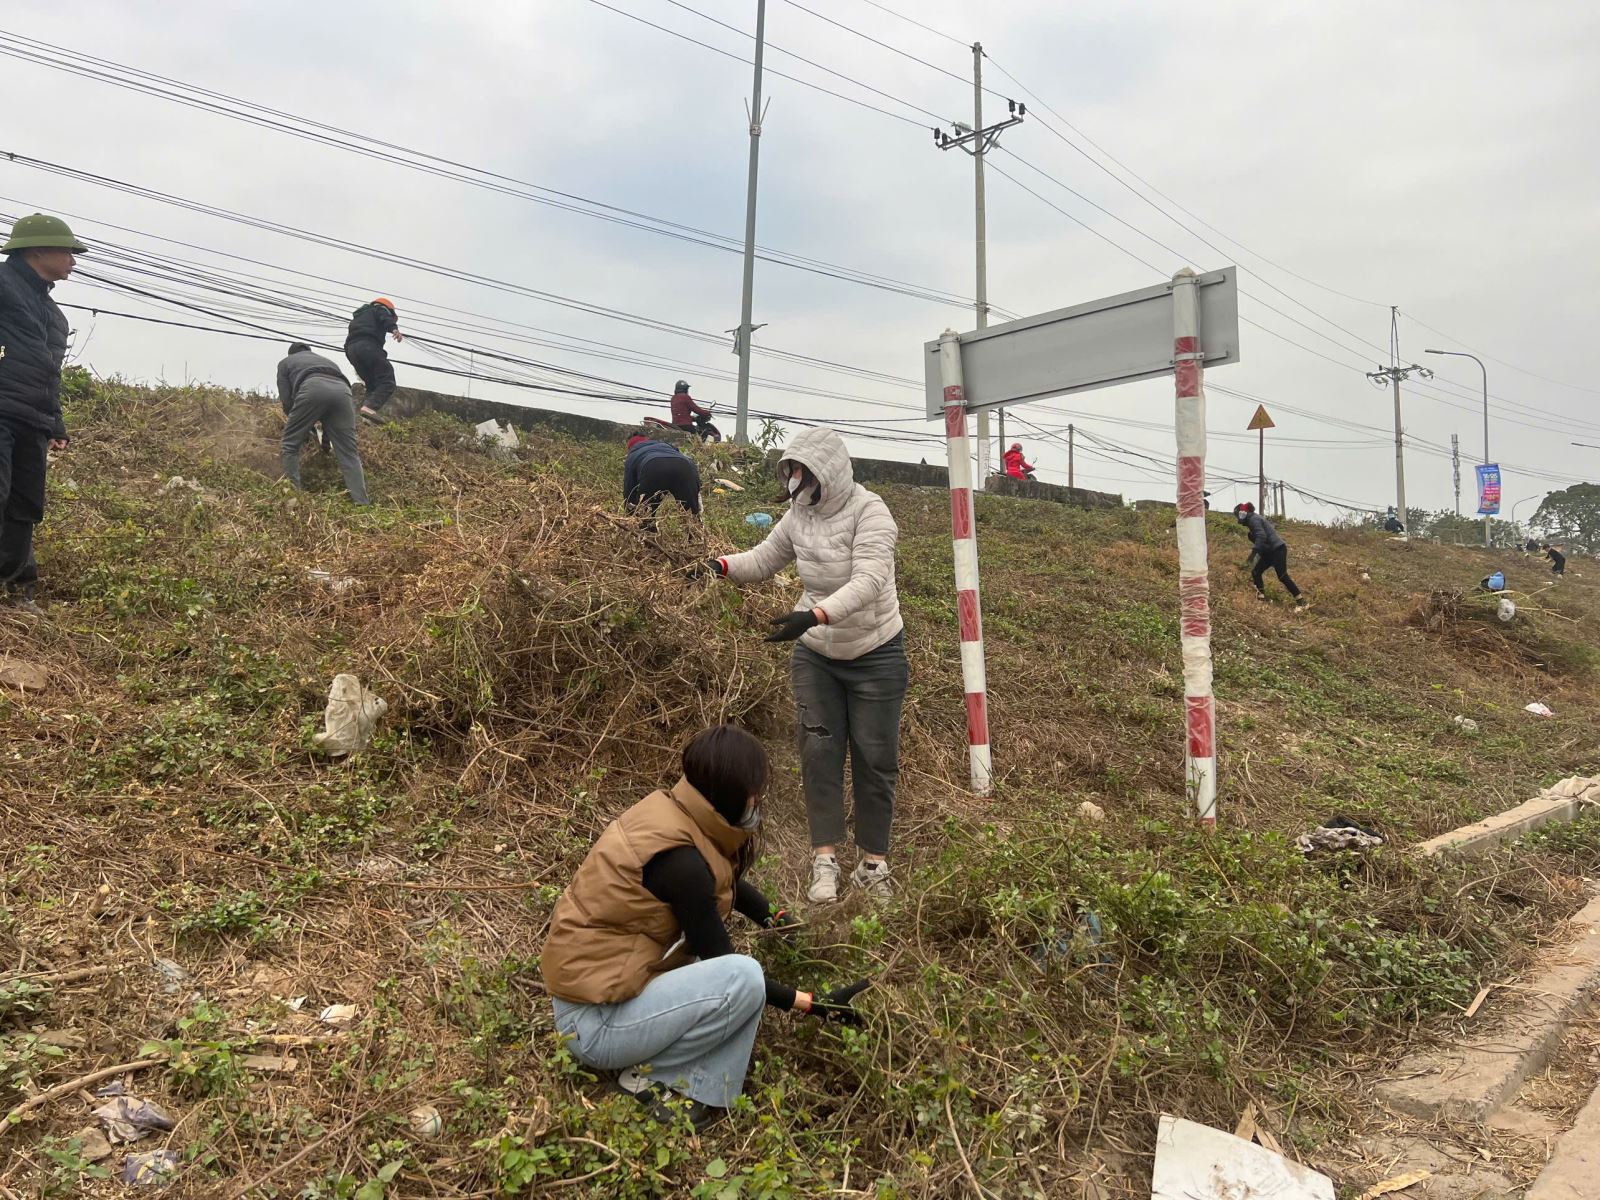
[{"x": 691, "y": 1029}]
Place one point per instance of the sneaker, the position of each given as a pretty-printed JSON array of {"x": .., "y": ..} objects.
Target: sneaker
[
  {"x": 664, "y": 1105},
  {"x": 371, "y": 414},
  {"x": 20, "y": 599},
  {"x": 824, "y": 887},
  {"x": 1261, "y": 595},
  {"x": 874, "y": 877},
  {"x": 1302, "y": 601}
]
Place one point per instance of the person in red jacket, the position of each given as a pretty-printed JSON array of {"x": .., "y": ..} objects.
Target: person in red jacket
[
  {"x": 1016, "y": 466},
  {"x": 689, "y": 416}
]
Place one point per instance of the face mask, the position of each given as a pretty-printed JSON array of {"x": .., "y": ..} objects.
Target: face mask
[
  {"x": 795, "y": 484},
  {"x": 751, "y": 821}
]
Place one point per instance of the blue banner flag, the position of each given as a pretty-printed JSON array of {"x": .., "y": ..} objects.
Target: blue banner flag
[{"x": 1488, "y": 489}]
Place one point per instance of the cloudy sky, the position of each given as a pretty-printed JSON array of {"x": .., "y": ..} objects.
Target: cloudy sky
[{"x": 1346, "y": 157}]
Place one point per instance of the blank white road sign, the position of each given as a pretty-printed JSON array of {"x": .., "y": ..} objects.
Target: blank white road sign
[{"x": 1095, "y": 345}]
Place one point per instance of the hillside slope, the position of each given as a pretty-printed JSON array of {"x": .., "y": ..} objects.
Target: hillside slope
[{"x": 543, "y": 661}]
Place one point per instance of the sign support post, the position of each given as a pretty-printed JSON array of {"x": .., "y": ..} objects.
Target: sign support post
[
  {"x": 1200, "y": 717},
  {"x": 974, "y": 677}
]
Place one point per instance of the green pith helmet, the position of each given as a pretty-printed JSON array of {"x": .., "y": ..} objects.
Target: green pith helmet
[{"x": 39, "y": 232}]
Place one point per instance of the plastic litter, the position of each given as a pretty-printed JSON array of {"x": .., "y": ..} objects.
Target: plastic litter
[
  {"x": 155, "y": 1169},
  {"x": 501, "y": 433},
  {"x": 179, "y": 484},
  {"x": 1494, "y": 582},
  {"x": 129, "y": 1118},
  {"x": 1507, "y": 611},
  {"x": 1091, "y": 811},
  {"x": 1465, "y": 724},
  {"x": 352, "y": 714},
  {"x": 173, "y": 977},
  {"x": 1538, "y": 710},
  {"x": 760, "y": 520},
  {"x": 1196, "y": 1162},
  {"x": 1338, "y": 833},
  {"x": 337, "y": 584},
  {"x": 92, "y": 1144},
  {"x": 426, "y": 1121},
  {"x": 338, "y": 1016}
]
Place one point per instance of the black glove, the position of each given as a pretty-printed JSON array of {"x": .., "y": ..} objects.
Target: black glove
[
  {"x": 792, "y": 625},
  {"x": 834, "y": 1005},
  {"x": 712, "y": 566}
]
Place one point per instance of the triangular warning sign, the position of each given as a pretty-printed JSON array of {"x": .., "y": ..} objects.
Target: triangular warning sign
[{"x": 1261, "y": 420}]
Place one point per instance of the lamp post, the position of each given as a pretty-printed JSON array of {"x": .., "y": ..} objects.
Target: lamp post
[
  {"x": 1520, "y": 503},
  {"x": 1485, "y": 370}
]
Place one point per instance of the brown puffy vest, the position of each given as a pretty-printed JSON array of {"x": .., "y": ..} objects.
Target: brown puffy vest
[{"x": 608, "y": 935}]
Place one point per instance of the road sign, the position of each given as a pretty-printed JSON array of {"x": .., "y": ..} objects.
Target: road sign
[
  {"x": 1261, "y": 420},
  {"x": 1115, "y": 340}
]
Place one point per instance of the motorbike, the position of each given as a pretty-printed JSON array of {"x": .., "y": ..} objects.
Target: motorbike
[{"x": 702, "y": 427}]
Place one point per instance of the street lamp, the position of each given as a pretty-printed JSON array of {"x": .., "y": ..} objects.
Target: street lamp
[
  {"x": 1520, "y": 503},
  {"x": 1586, "y": 445},
  {"x": 1485, "y": 370}
]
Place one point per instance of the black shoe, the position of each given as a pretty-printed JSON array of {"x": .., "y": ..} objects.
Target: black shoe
[{"x": 664, "y": 1105}]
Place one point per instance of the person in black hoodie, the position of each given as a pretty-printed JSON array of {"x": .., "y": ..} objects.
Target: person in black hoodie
[
  {"x": 653, "y": 471},
  {"x": 1268, "y": 550},
  {"x": 33, "y": 344},
  {"x": 363, "y": 346}
]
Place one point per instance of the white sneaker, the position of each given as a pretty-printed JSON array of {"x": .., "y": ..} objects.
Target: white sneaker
[
  {"x": 824, "y": 879},
  {"x": 874, "y": 877},
  {"x": 630, "y": 1081}
]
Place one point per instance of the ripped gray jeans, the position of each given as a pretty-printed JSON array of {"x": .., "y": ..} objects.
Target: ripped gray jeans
[{"x": 850, "y": 705}]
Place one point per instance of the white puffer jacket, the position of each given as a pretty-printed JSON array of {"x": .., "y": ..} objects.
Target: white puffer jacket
[{"x": 844, "y": 548}]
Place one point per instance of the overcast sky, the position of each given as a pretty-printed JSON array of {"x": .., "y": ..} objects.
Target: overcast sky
[{"x": 1434, "y": 156}]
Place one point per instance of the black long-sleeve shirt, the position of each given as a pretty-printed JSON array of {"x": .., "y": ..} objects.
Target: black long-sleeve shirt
[{"x": 681, "y": 879}]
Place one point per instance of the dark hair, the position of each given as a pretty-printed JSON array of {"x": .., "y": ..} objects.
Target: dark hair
[
  {"x": 727, "y": 766},
  {"x": 296, "y": 347}
]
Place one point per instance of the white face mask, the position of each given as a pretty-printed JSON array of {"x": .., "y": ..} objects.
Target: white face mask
[{"x": 795, "y": 484}]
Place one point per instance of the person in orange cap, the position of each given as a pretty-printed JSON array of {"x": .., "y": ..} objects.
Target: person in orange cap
[{"x": 363, "y": 346}]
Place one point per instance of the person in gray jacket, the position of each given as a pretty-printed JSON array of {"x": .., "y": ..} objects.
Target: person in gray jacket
[
  {"x": 312, "y": 389},
  {"x": 849, "y": 670},
  {"x": 1268, "y": 550}
]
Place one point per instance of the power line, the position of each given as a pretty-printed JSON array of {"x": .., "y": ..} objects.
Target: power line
[{"x": 238, "y": 109}]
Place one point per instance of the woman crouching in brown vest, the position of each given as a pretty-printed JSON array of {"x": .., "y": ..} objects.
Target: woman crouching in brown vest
[{"x": 638, "y": 961}]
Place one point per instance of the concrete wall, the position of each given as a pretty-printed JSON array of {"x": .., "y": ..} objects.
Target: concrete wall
[{"x": 409, "y": 401}]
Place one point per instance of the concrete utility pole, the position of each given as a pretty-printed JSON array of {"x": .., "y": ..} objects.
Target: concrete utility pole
[
  {"x": 741, "y": 427},
  {"x": 1395, "y": 373},
  {"x": 980, "y": 141},
  {"x": 1455, "y": 468},
  {"x": 1071, "y": 482},
  {"x": 1485, "y": 370}
]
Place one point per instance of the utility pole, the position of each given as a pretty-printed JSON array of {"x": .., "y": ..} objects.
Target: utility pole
[
  {"x": 1395, "y": 373},
  {"x": 977, "y": 141},
  {"x": 741, "y": 428},
  {"x": 1455, "y": 468},
  {"x": 1071, "y": 482}
]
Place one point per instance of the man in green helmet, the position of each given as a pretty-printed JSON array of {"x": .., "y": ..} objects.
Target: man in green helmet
[{"x": 33, "y": 342}]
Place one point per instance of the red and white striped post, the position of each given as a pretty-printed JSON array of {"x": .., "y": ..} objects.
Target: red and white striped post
[
  {"x": 973, "y": 677},
  {"x": 1193, "y": 585}
]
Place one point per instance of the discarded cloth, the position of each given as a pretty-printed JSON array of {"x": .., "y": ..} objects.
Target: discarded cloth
[{"x": 1338, "y": 833}]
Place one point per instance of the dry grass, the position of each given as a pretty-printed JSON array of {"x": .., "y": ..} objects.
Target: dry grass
[{"x": 543, "y": 660}]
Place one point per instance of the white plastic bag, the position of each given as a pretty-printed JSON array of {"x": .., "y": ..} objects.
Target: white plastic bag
[
  {"x": 352, "y": 714},
  {"x": 1508, "y": 610}
]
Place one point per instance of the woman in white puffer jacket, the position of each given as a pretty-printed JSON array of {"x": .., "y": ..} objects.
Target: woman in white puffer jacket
[{"x": 849, "y": 670}]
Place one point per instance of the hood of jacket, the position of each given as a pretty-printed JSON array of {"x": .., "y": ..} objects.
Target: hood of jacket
[{"x": 823, "y": 452}]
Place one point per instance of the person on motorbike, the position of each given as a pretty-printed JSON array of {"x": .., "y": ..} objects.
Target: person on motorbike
[{"x": 689, "y": 416}]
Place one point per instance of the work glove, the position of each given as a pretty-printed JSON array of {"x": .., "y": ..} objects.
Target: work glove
[
  {"x": 834, "y": 1005},
  {"x": 792, "y": 625},
  {"x": 712, "y": 567},
  {"x": 783, "y": 919}
]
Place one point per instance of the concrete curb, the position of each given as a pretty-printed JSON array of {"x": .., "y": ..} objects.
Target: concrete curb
[
  {"x": 1562, "y": 802},
  {"x": 1573, "y": 1172},
  {"x": 1470, "y": 1081}
]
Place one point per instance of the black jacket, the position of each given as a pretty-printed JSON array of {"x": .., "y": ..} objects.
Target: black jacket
[
  {"x": 371, "y": 323},
  {"x": 297, "y": 368},
  {"x": 1264, "y": 538},
  {"x": 33, "y": 344}
]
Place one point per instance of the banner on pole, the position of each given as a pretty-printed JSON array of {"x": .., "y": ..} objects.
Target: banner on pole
[{"x": 1488, "y": 489}]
